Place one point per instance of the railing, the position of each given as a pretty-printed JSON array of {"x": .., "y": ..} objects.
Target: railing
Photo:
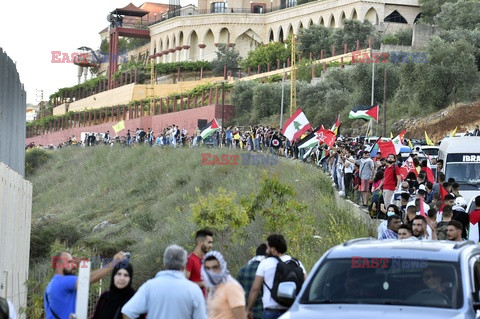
[{"x": 226, "y": 10}]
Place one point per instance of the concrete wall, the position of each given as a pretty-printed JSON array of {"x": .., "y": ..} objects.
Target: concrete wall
[
  {"x": 422, "y": 34},
  {"x": 130, "y": 92},
  {"x": 13, "y": 101},
  {"x": 184, "y": 119},
  {"x": 15, "y": 221}
]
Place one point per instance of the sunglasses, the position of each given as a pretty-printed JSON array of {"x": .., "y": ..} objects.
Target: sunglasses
[{"x": 430, "y": 276}]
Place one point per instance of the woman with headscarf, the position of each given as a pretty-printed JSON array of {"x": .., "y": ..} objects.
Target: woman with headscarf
[
  {"x": 226, "y": 297},
  {"x": 110, "y": 303}
]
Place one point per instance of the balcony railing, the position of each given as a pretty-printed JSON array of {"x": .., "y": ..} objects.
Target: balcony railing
[{"x": 215, "y": 10}]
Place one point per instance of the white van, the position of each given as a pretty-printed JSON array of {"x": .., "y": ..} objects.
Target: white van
[{"x": 461, "y": 157}]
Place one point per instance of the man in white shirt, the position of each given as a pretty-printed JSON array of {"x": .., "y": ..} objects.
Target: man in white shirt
[{"x": 276, "y": 247}]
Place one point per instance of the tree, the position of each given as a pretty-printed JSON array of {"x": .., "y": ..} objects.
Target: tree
[
  {"x": 225, "y": 57},
  {"x": 315, "y": 39},
  {"x": 430, "y": 8},
  {"x": 464, "y": 14},
  {"x": 267, "y": 54}
]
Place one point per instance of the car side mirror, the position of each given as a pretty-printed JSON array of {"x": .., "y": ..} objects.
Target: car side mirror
[{"x": 287, "y": 290}]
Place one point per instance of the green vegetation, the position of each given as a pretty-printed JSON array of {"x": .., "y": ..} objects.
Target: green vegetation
[
  {"x": 226, "y": 56},
  {"x": 318, "y": 37},
  {"x": 152, "y": 199},
  {"x": 267, "y": 54}
]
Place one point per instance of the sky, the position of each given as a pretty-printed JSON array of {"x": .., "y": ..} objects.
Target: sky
[{"x": 30, "y": 30}]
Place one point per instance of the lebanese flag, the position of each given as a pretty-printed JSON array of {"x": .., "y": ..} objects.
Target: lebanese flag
[
  {"x": 407, "y": 167},
  {"x": 296, "y": 125},
  {"x": 211, "y": 128},
  {"x": 364, "y": 112},
  {"x": 392, "y": 146}
]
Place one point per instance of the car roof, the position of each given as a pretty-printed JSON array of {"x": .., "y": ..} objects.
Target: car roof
[
  {"x": 439, "y": 250},
  {"x": 459, "y": 144}
]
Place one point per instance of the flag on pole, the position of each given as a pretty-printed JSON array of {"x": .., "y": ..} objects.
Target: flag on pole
[
  {"x": 392, "y": 146},
  {"x": 296, "y": 125},
  {"x": 374, "y": 149},
  {"x": 336, "y": 126},
  {"x": 364, "y": 112},
  {"x": 210, "y": 129},
  {"x": 407, "y": 167},
  {"x": 317, "y": 137},
  {"x": 119, "y": 126},
  {"x": 429, "y": 141},
  {"x": 453, "y": 132},
  {"x": 422, "y": 207}
]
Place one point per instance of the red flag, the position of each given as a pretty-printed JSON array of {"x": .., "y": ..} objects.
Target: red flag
[
  {"x": 326, "y": 136},
  {"x": 386, "y": 147},
  {"x": 443, "y": 192},
  {"x": 407, "y": 167},
  {"x": 373, "y": 112},
  {"x": 422, "y": 208},
  {"x": 429, "y": 172}
]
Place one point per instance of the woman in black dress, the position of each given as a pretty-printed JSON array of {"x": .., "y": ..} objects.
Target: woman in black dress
[{"x": 110, "y": 303}]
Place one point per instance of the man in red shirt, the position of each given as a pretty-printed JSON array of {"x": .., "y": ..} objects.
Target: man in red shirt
[
  {"x": 391, "y": 179},
  {"x": 204, "y": 241},
  {"x": 475, "y": 214}
]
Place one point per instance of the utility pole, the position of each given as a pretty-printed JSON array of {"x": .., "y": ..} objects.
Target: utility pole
[
  {"x": 293, "y": 79},
  {"x": 223, "y": 106},
  {"x": 385, "y": 102},
  {"x": 283, "y": 92}
]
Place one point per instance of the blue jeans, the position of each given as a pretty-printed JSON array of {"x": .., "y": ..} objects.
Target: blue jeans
[{"x": 271, "y": 314}]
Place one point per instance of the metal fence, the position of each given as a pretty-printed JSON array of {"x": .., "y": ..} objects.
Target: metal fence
[
  {"x": 12, "y": 116},
  {"x": 15, "y": 225}
]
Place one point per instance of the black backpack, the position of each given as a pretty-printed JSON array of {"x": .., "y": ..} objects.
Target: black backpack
[
  {"x": 289, "y": 270},
  {"x": 4, "y": 312}
]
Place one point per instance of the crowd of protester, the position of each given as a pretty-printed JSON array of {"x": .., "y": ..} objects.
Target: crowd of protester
[{"x": 196, "y": 285}]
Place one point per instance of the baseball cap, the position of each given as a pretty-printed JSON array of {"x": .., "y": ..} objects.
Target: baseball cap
[
  {"x": 422, "y": 189},
  {"x": 460, "y": 201}
]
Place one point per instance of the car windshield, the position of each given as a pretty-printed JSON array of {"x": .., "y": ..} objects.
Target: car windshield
[
  {"x": 385, "y": 281},
  {"x": 430, "y": 151},
  {"x": 468, "y": 173}
]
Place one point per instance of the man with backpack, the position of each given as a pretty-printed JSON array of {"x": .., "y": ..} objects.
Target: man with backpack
[{"x": 273, "y": 270}]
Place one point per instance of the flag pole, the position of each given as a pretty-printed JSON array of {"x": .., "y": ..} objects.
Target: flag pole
[
  {"x": 283, "y": 92},
  {"x": 373, "y": 82},
  {"x": 385, "y": 102}
]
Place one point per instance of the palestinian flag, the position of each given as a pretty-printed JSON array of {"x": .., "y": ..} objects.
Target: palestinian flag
[
  {"x": 364, "y": 112},
  {"x": 211, "y": 128},
  {"x": 309, "y": 141},
  {"x": 296, "y": 125}
]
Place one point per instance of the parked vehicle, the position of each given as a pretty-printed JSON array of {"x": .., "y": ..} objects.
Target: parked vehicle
[
  {"x": 461, "y": 157},
  {"x": 368, "y": 278}
]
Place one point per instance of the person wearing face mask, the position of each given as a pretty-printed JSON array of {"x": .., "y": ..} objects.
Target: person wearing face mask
[
  {"x": 226, "y": 297},
  {"x": 110, "y": 303}
]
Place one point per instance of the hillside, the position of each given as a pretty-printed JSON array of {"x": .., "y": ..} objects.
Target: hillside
[
  {"x": 143, "y": 197},
  {"x": 440, "y": 124}
]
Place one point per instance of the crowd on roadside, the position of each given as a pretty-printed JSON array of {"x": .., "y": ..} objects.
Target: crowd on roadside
[{"x": 196, "y": 285}]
